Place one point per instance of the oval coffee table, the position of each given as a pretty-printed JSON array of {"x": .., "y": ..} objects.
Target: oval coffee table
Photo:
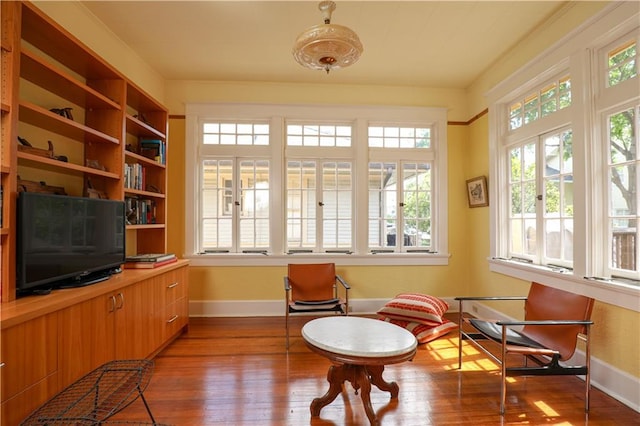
[{"x": 361, "y": 347}]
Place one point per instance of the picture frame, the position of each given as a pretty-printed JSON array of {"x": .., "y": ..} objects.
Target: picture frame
[{"x": 477, "y": 192}]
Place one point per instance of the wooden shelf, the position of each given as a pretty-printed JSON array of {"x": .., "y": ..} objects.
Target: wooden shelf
[
  {"x": 5, "y": 108},
  {"x": 141, "y": 128},
  {"x": 4, "y": 231},
  {"x": 141, "y": 159},
  {"x": 138, "y": 192},
  {"x": 58, "y": 43},
  {"x": 56, "y": 165},
  {"x": 147, "y": 226},
  {"x": 41, "y": 73},
  {"x": 40, "y": 117}
]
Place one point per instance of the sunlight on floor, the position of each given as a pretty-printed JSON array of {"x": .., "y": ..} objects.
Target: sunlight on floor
[{"x": 546, "y": 409}]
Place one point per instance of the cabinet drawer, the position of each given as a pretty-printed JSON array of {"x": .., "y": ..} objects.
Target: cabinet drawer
[
  {"x": 176, "y": 316},
  {"x": 174, "y": 284},
  {"x": 29, "y": 354}
]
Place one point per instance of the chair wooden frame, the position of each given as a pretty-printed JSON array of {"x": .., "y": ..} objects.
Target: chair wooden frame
[
  {"x": 321, "y": 295},
  {"x": 543, "y": 341}
]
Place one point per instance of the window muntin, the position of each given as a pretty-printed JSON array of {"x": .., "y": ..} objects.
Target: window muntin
[
  {"x": 541, "y": 199},
  {"x": 399, "y": 137},
  {"x": 234, "y": 203},
  {"x": 413, "y": 186},
  {"x": 540, "y": 103},
  {"x": 228, "y": 133},
  {"x": 324, "y": 135},
  {"x": 623, "y": 180},
  {"x": 319, "y": 205},
  {"x": 622, "y": 63}
]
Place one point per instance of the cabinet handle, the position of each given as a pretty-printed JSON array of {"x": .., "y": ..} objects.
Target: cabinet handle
[
  {"x": 113, "y": 303},
  {"x": 121, "y": 296},
  {"x": 2, "y": 364},
  {"x": 173, "y": 285},
  {"x": 175, "y": 317}
]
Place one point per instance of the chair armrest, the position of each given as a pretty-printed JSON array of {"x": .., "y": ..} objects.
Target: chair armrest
[
  {"x": 343, "y": 282},
  {"x": 491, "y": 298},
  {"x": 287, "y": 286},
  {"x": 546, "y": 322}
]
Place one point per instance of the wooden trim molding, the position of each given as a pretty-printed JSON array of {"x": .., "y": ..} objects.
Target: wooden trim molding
[
  {"x": 467, "y": 123},
  {"x": 449, "y": 123}
]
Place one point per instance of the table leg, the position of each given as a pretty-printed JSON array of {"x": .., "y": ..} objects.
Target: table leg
[
  {"x": 361, "y": 378},
  {"x": 375, "y": 373}
]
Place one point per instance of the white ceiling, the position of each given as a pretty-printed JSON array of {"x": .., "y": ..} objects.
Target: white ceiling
[{"x": 443, "y": 44}]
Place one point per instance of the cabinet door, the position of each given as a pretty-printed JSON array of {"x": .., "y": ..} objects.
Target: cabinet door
[
  {"x": 86, "y": 337},
  {"x": 134, "y": 321},
  {"x": 28, "y": 375}
]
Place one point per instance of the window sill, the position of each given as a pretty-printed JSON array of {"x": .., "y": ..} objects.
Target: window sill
[
  {"x": 383, "y": 259},
  {"x": 615, "y": 293}
]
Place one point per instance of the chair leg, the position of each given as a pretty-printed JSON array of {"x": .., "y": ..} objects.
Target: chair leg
[
  {"x": 503, "y": 372},
  {"x": 286, "y": 327},
  {"x": 460, "y": 334},
  {"x": 587, "y": 378}
]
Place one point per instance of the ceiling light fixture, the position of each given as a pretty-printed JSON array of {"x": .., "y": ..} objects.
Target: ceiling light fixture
[{"x": 327, "y": 46}]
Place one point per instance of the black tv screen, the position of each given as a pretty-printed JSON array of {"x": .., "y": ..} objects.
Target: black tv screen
[{"x": 65, "y": 241}]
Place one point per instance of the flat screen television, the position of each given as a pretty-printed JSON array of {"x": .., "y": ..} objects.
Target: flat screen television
[{"x": 65, "y": 241}]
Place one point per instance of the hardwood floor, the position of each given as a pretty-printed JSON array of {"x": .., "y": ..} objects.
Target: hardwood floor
[{"x": 236, "y": 371}]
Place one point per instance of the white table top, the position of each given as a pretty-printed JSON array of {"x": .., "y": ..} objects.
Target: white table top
[{"x": 356, "y": 336}]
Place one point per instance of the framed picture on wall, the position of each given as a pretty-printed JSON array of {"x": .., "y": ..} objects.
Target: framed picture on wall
[{"x": 477, "y": 192}]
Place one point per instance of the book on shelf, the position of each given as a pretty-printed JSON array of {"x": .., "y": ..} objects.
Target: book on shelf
[
  {"x": 154, "y": 149},
  {"x": 150, "y": 257},
  {"x": 149, "y": 265}
]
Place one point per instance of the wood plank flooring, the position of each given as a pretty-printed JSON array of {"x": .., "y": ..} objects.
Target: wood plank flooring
[{"x": 236, "y": 371}]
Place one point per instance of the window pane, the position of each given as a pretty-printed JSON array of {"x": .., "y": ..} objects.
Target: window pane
[
  {"x": 254, "y": 204},
  {"x": 217, "y": 203},
  {"x": 383, "y": 184},
  {"x": 541, "y": 103},
  {"x": 523, "y": 199},
  {"x": 399, "y": 137},
  {"x": 416, "y": 210},
  {"x": 622, "y": 63},
  {"x": 558, "y": 197},
  {"x": 325, "y": 135},
  {"x": 235, "y": 133},
  {"x": 623, "y": 194},
  {"x": 336, "y": 205},
  {"x": 301, "y": 204}
]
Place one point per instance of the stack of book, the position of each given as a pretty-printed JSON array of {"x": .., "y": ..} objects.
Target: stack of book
[{"x": 148, "y": 261}]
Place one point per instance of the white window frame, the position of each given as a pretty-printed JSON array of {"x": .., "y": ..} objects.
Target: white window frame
[
  {"x": 578, "y": 53},
  {"x": 277, "y": 116}
]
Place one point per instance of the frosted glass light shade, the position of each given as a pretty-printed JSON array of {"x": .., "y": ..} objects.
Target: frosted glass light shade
[{"x": 327, "y": 46}]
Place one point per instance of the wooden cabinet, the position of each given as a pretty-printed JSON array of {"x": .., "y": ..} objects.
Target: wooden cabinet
[
  {"x": 130, "y": 316},
  {"x": 29, "y": 366},
  {"x": 56, "y": 91},
  {"x": 100, "y": 125}
]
